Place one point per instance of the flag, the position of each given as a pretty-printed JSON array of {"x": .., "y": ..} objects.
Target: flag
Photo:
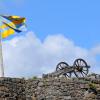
[{"x": 11, "y": 24}]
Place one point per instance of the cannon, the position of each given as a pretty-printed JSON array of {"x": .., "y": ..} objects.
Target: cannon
[{"x": 79, "y": 69}]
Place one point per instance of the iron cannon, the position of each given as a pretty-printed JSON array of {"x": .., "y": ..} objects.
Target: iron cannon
[{"x": 80, "y": 68}]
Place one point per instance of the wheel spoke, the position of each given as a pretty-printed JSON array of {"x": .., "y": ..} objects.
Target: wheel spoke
[
  {"x": 68, "y": 74},
  {"x": 80, "y": 62},
  {"x": 84, "y": 72}
]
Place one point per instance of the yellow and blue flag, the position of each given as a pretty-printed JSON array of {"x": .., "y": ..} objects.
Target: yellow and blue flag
[{"x": 11, "y": 24}]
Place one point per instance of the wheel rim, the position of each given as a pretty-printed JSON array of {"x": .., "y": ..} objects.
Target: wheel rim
[
  {"x": 61, "y": 66},
  {"x": 80, "y": 68}
]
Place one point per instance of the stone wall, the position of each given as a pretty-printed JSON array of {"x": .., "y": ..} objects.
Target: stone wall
[
  {"x": 48, "y": 89},
  {"x": 12, "y": 89},
  {"x": 61, "y": 89}
]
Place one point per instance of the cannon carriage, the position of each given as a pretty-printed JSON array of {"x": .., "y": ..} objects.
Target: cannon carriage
[{"x": 79, "y": 69}]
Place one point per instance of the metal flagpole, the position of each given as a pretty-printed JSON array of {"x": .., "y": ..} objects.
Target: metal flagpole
[{"x": 1, "y": 58}]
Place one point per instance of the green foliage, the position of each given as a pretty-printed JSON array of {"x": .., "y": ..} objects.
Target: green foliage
[
  {"x": 92, "y": 86},
  {"x": 34, "y": 77}
]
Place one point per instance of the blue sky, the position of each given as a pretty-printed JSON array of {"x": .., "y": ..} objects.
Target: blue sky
[
  {"x": 78, "y": 20},
  {"x": 57, "y": 30}
]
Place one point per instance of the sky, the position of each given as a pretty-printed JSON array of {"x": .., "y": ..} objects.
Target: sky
[{"x": 57, "y": 30}]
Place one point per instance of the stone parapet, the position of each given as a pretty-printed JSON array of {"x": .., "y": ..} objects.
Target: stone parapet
[{"x": 48, "y": 89}]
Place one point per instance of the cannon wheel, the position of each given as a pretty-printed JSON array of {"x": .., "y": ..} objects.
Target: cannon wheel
[
  {"x": 61, "y": 66},
  {"x": 80, "y": 68}
]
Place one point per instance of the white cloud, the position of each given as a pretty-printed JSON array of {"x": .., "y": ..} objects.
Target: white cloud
[
  {"x": 96, "y": 50},
  {"x": 27, "y": 56}
]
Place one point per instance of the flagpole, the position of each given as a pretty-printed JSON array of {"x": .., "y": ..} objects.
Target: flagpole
[{"x": 1, "y": 58}]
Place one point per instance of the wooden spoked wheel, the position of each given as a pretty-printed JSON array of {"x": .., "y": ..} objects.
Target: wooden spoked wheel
[
  {"x": 61, "y": 66},
  {"x": 80, "y": 68}
]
